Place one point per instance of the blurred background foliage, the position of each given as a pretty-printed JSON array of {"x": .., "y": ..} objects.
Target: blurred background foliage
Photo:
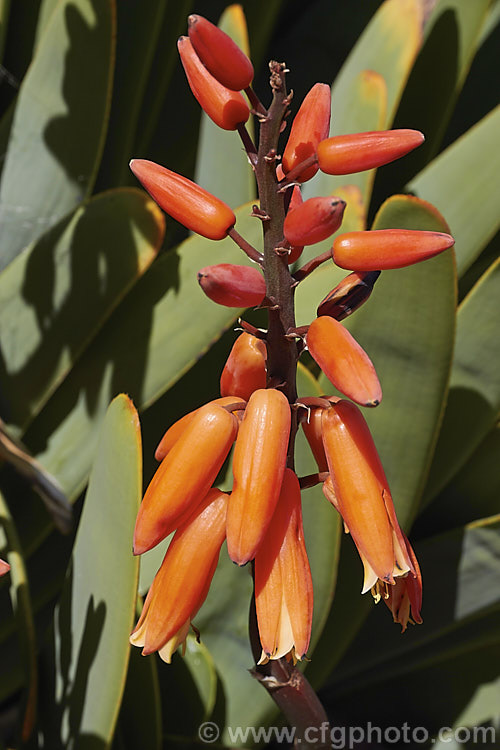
[{"x": 98, "y": 296}]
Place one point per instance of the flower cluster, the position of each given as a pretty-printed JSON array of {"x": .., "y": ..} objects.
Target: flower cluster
[{"x": 258, "y": 412}]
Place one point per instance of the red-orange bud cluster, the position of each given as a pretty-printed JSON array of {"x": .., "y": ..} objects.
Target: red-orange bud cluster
[
  {"x": 385, "y": 249},
  {"x": 245, "y": 369},
  {"x": 226, "y": 108},
  {"x": 343, "y": 361},
  {"x": 219, "y": 54},
  {"x": 310, "y": 126},
  {"x": 233, "y": 286},
  {"x": 314, "y": 220},
  {"x": 185, "y": 201},
  {"x": 345, "y": 154}
]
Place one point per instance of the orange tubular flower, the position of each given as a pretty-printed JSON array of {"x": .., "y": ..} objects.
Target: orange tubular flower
[
  {"x": 314, "y": 220},
  {"x": 345, "y": 154},
  {"x": 310, "y": 126},
  {"x": 226, "y": 108},
  {"x": 295, "y": 201},
  {"x": 283, "y": 583},
  {"x": 185, "y": 201},
  {"x": 185, "y": 475},
  {"x": 385, "y": 249},
  {"x": 219, "y": 54},
  {"x": 174, "y": 432},
  {"x": 182, "y": 582},
  {"x": 343, "y": 361},
  {"x": 406, "y": 594},
  {"x": 258, "y": 465},
  {"x": 358, "y": 488},
  {"x": 245, "y": 369},
  {"x": 233, "y": 286},
  {"x": 351, "y": 293},
  {"x": 4, "y": 567}
]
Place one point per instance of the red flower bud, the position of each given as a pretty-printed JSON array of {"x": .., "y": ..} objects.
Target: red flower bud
[
  {"x": 245, "y": 369},
  {"x": 185, "y": 201},
  {"x": 219, "y": 54},
  {"x": 226, "y": 108},
  {"x": 345, "y": 154},
  {"x": 313, "y": 221},
  {"x": 343, "y": 361},
  {"x": 351, "y": 293},
  {"x": 295, "y": 201},
  {"x": 384, "y": 249},
  {"x": 258, "y": 464},
  {"x": 233, "y": 286},
  {"x": 310, "y": 126}
]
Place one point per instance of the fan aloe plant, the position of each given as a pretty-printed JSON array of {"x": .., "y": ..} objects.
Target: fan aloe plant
[{"x": 99, "y": 297}]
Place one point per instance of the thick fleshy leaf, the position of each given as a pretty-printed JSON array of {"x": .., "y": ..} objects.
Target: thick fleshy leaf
[
  {"x": 169, "y": 323},
  {"x": 202, "y": 668},
  {"x": 463, "y": 183},
  {"x": 58, "y": 293},
  {"x": 461, "y": 615},
  {"x": 474, "y": 398},
  {"x": 140, "y": 719},
  {"x": 451, "y": 39},
  {"x": 388, "y": 47},
  {"x": 140, "y": 26},
  {"x": 222, "y": 166},
  {"x": 59, "y": 123},
  {"x": 81, "y": 699}
]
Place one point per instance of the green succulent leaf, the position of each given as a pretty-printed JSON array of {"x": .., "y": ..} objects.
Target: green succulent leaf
[
  {"x": 222, "y": 166},
  {"x": 56, "y": 295},
  {"x": 59, "y": 123},
  {"x": 474, "y": 398},
  {"x": 469, "y": 205},
  {"x": 367, "y": 90},
  {"x": 86, "y": 664}
]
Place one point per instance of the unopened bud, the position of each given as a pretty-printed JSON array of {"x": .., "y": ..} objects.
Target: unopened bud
[
  {"x": 310, "y": 126},
  {"x": 345, "y": 154},
  {"x": 351, "y": 293},
  {"x": 185, "y": 201},
  {"x": 314, "y": 221},
  {"x": 245, "y": 369},
  {"x": 233, "y": 286},
  {"x": 226, "y": 108},
  {"x": 343, "y": 361},
  {"x": 385, "y": 249},
  {"x": 219, "y": 54}
]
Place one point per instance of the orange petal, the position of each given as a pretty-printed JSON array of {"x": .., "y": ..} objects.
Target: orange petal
[
  {"x": 233, "y": 286},
  {"x": 345, "y": 154},
  {"x": 384, "y": 249},
  {"x": 314, "y": 220},
  {"x": 182, "y": 582},
  {"x": 359, "y": 481},
  {"x": 258, "y": 464},
  {"x": 226, "y": 108},
  {"x": 219, "y": 54},
  {"x": 312, "y": 431},
  {"x": 310, "y": 125},
  {"x": 343, "y": 361},
  {"x": 245, "y": 369},
  {"x": 185, "y": 201},
  {"x": 185, "y": 475}
]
